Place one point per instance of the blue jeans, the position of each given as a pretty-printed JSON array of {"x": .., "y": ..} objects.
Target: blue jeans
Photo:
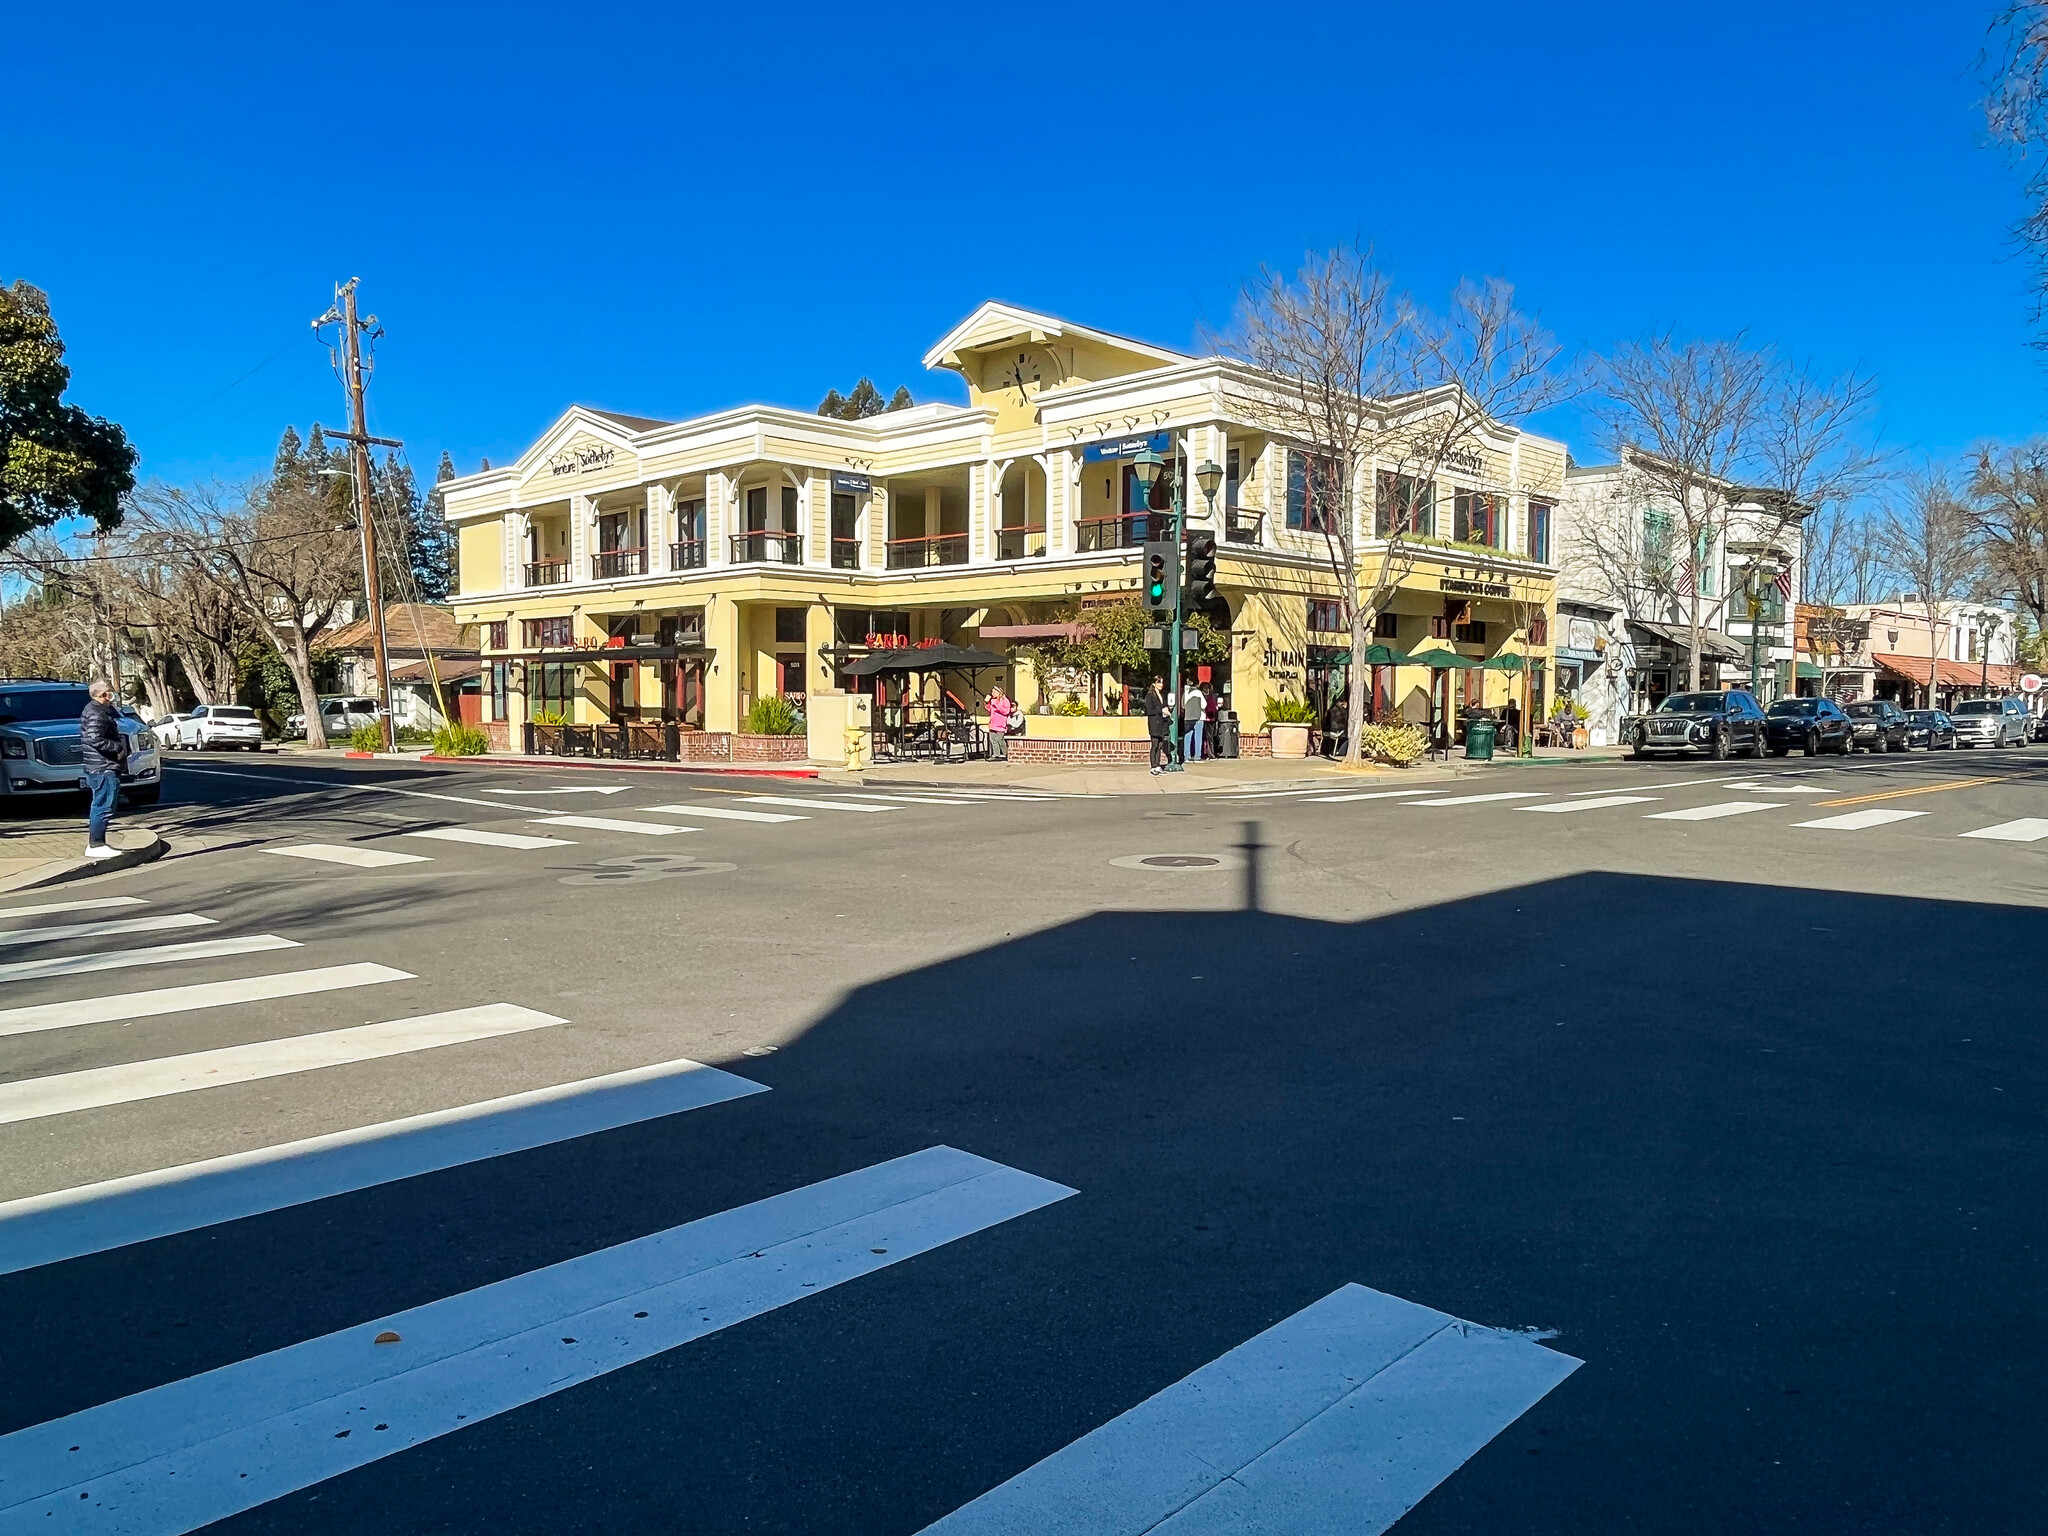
[
  {"x": 105, "y": 787},
  {"x": 1191, "y": 744}
]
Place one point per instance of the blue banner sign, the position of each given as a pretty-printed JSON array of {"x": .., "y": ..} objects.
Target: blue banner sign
[
  {"x": 847, "y": 480},
  {"x": 1160, "y": 443}
]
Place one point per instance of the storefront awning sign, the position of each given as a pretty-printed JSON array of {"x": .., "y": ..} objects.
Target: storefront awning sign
[
  {"x": 1128, "y": 447},
  {"x": 850, "y": 480}
]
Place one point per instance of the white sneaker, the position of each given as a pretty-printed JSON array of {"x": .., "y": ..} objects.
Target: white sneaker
[
  {"x": 99, "y": 851},
  {"x": 1157, "y": 771}
]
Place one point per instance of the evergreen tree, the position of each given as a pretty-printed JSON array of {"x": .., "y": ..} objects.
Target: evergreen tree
[
  {"x": 865, "y": 401},
  {"x": 55, "y": 460}
]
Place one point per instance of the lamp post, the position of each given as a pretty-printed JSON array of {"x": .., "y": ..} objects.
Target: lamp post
[
  {"x": 1756, "y": 575},
  {"x": 1146, "y": 468}
]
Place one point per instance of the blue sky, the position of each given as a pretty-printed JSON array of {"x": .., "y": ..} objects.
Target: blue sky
[{"x": 666, "y": 213}]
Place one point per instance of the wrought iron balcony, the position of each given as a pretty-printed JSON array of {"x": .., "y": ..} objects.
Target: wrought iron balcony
[
  {"x": 774, "y": 548},
  {"x": 688, "y": 555},
  {"x": 1120, "y": 532},
  {"x": 546, "y": 573},
  {"x": 1020, "y": 541},
  {"x": 928, "y": 549},
  {"x": 845, "y": 554},
  {"x": 609, "y": 564}
]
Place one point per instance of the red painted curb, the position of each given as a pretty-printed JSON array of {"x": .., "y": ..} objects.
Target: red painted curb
[
  {"x": 765, "y": 771},
  {"x": 358, "y": 754}
]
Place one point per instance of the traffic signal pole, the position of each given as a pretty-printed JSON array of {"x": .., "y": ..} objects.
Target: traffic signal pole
[{"x": 1176, "y": 759}]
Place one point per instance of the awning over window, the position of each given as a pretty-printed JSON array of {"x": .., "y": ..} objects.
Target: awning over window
[
  {"x": 1951, "y": 674},
  {"x": 1712, "y": 641},
  {"x": 1809, "y": 673}
]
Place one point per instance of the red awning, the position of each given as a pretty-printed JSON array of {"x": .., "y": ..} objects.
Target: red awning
[{"x": 1950, "y": 674}]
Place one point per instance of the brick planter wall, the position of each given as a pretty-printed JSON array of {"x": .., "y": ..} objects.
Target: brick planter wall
[
  {"x": 1091, "y": 753},
  {"x": 1254, "y": 746},
  {"x": 703, "y": 747},
  {"x": 770, "y": 749},
  {"x": 500, "y": 734}
]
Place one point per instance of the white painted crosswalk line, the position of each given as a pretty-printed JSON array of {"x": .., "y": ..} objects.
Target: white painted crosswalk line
[
  {"x": 72, "y": 906},
  {"x": 895, "y": 799},
  {"x": 723, "y": 813},
  {"x": 181, "y": 1456},
  {"x": 2028, "y": 829},
  {"x": 1629, "y": 789},
  {"x": 608, "y": 824},
  {"x": 1503, "y": 794},
  {"x": 206, "y": 994},
  {"x": 1602, "y": 803},
  {"x": 1334, "y": 1422},
  {"x": 36, "y": 1098},
  {"x": 1373, "y": 794},
  {"x": 1782, "y": 789},
  {"x": 104, "y": 930},
  {"x": 813, "y": 804},
  {"x": 1714, "y": 812},
  {"x": 489, "y": 839},
  {"x": 997, "y": 796},
  {"x": 45, "y": 1229},
  {"x": 355, "y": 858},
  {"x": 1857, "y": 821},
  {"x": 160, "y": 954}
]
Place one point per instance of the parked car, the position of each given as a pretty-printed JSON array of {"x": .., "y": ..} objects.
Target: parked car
[
  {"x": 339, "y": 714},
  {"x": 42, "y": 755},
  {"x": 1929, "y": 728},
  {"x": 1880, "y": 725},
  {"x": 170, "y": 730},
  {"x": 2038, "y": 731},
  {"x": 1812, "y": 725},
  {"x": 222, "y": 725},
  {"x": 1990, "y": 723},
  {"x": 1718, "y": 724}
]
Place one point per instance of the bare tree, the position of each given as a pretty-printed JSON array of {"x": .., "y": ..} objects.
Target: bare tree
[
  {"x": 2015, "y": 60},
  {"x": 2008, "y": 504},
  {"x": 1379, "y": 395},
  {"x": 1931, "y": 540},
  {"x": 281, "y": 554}
]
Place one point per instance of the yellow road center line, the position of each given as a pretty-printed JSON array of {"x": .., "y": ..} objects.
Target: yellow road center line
[{"x": 1898, "y": 794}]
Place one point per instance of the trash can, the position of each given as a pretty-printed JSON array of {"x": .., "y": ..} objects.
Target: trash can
[
  {"x": 1479, "y": 740},
  {"x": 1226, "y": 733}
]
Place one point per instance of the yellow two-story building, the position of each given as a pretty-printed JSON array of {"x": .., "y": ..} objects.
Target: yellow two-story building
[{"x": 630, "y": 569}]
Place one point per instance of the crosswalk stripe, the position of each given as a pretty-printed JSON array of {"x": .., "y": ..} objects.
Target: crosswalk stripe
[
  {"x": 489, "y": 839},
  {"x": 1629, "y": 789},
  {"x": 1603, "y": 803},
  {"x": 723, "y": 813},
  {"x": 1376, "y": 794},
  {"x": 995, "y": 797},
  {"x": 73, "y": 906},
  {"x": 813, "y": 805},
  {"x": 1857, "y": 821},
  {"x": 46, "y": 1229},
  {"x": 207, "y": 994},
  {"x": 37, "y": 1098},
  {"x": 1275, "y": 794},
  {"x": 2028, "y": 829},
  {"x": 1714, "y": 812},
  {"x": 1781, "y": 789},
  {"x": 1504, "y": 794},
  {"x": 907, "y": 799},
  {"x": 191, "y": 1452},
  {"x": 608, "y": 824},
  {"x": 355, "y": 858},
  {"x": 106, "y": 929},
  {"x": 1333, "y": 1422},
  {"x": 160, "y": 954}
]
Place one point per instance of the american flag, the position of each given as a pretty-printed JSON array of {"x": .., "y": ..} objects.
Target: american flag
[
  {"x": 1784, "y": 584},
  {"x": 1685, "y": 578}
]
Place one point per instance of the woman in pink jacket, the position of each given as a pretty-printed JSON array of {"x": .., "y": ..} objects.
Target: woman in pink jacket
[{"x": 1002, "y": 719}]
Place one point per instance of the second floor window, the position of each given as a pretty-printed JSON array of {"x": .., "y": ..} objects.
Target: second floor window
[
  {"x": 1539, "y": 532},
  {"x": 1233, "y": 477},
  {"x": 1476, "y": 519},
  {"x": 1404, "y": 505},
  {"x": 538, "y": 632},
  {"x": 1325, "y": 616},
  {"x": 496, "y": 634},
  {"x": 1312, "y": 487},
  {"x": 1657, "y": 543}
]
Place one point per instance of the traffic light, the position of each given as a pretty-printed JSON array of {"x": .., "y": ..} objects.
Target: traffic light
[
  {"x": 1201, "y": 577},
  {"x": 1162, "y": 574}
]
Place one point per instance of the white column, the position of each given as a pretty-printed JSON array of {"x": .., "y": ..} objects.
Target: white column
[
  {"x": 579, "y": 538},
  {"x": 658, "y": 501}
]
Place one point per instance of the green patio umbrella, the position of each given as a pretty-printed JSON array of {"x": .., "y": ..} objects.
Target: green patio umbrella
[{"x": 1444, "y": 659}]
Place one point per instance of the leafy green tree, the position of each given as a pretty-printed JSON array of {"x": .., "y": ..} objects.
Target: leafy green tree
[
  {"x": 865, "y": 401},
  {"x": 55, "y": 460}
]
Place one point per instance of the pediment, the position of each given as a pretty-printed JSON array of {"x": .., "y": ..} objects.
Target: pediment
[{"x": 583, "y": 450}]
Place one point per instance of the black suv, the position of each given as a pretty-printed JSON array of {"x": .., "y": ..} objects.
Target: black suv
[
  {"x": 1719, "y": 724},
  {"x": 1814, "y": 725},
  {"x": 1881, "y": 726}
]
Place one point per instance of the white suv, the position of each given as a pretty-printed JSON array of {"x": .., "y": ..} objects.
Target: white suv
[
  {"x": 1990, "y": 722},
  {"x": 222, "y": 725}
]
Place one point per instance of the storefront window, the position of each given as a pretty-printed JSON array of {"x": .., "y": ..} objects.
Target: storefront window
[{"x": 553, "y": 688}]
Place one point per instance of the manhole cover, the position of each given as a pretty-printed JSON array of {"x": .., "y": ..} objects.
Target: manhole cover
[{"x": 1171, "y": 862}]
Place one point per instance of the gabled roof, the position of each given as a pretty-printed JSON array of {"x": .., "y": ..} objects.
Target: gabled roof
[
  {"x": 636, "y": 423},
  {"x": 996, "y": 324},
  {"x": 410, "y": 629}
]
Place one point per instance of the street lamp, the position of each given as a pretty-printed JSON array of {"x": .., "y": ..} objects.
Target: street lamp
[
  {"x": 1146, "y": 468},
  {"x": 1210, "y": 478}
]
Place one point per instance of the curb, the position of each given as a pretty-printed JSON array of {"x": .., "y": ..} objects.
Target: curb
[
  {"x": 764, "y": 771},
  {"x": 62, "y": 872}
]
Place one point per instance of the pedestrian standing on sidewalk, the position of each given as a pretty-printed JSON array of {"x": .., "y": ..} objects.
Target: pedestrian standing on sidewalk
[
  {"x": 1191, "y": 707},
  {"x": 104, "y": 753},
  {"x": 1158, "y": 725},
  {"x": 1212, "y": 705}
]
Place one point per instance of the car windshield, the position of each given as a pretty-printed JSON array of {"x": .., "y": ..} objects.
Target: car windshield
[
  {"x": 42, "y": 704},
  {"x": 1692, "y": 704},
  {"x": 231, "y": 712},
  {"x": 1976, "y": 707},
  {"x": 1923, "y": 717},
  {"x": 1795, "y": 707}
]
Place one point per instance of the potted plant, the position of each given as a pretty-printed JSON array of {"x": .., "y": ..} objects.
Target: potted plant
[{"x": 1287, "y": 723}]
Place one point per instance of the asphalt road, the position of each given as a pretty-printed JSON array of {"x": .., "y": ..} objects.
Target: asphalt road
[{"x": 1742, "y": 1112}]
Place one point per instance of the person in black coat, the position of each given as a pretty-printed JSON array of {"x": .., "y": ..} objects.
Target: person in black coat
[
  {"x": 1158, "y": 725},
  {"x": 103, "y": 754}
]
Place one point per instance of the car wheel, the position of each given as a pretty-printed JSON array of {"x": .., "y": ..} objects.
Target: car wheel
[
  {"x": 1813, "y": 743},
  {"x": 1717, "y": 749}
]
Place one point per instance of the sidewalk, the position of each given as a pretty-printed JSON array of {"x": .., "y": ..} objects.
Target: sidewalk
[{"x": 36, "y": 857}]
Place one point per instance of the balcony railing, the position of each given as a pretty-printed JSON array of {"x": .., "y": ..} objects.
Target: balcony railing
[
  {"x": 845, "y": 554},
  {"x": 1243, "y": 525},
  {"x": 1092, "y": 533},
  {"x": 774, "y": 548},
  {"x": 608, "y": 564},
  {"x": 1023, "y": 541},
  {"x": 688, "y": 555},
  {"x": 929, "y": 549},
  {"x": 546, "y": 573}
]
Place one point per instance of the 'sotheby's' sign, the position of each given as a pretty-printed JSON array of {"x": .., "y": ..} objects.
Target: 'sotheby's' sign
[{"x": 580, "y": 460}]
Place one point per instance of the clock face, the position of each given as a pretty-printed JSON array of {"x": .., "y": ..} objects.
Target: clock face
[{"x": 1023, "y": 370}]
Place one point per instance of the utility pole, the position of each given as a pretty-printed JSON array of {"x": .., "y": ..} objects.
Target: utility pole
[{"x": 359, "y": 440}]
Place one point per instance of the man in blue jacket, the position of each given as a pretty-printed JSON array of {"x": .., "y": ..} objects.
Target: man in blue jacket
[{"x": 105, "y": 753}]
